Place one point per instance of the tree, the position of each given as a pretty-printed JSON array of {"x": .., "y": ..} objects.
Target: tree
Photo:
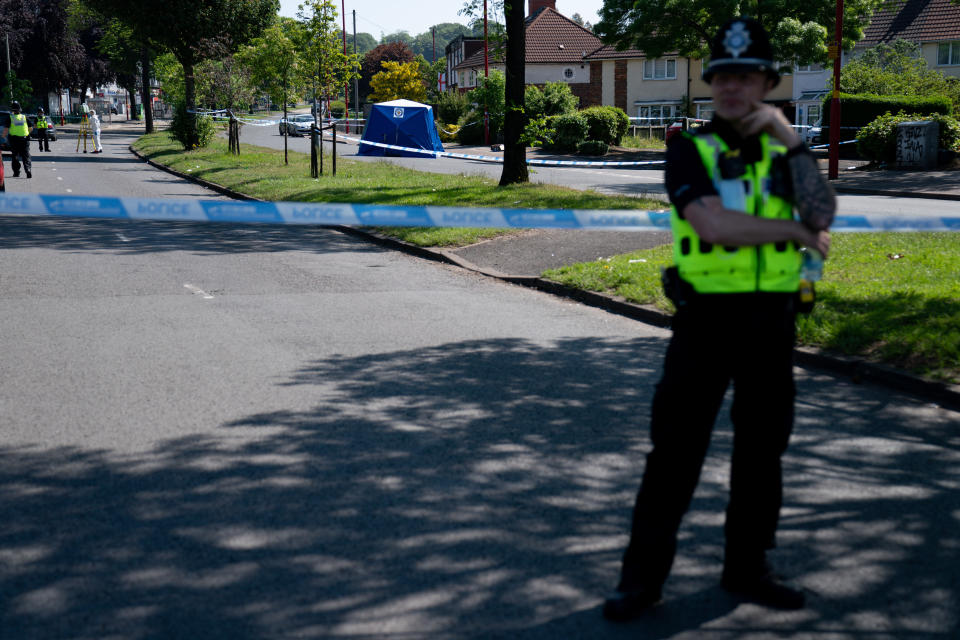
[
  {"x": 430, "y": 74},
  {"x": 798, "y": 31},
  {"x": 398, "y": 81},
  {"x": 275, "y": 65},
  {"x": 580, "y": 21},
  {"x": 194, "y": 30},
  {"x": 393, "y": 51},
  {"x": 897, "y": 69},
  {"x": 324, "y": 47},
  {"x": 224, "y": 84},
  {"x": 490, "y": 93},
  {"x": 554, "y": 99},
  {"x": 515, "y": 150}
]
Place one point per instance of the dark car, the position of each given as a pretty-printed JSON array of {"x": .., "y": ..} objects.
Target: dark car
[
  {"x": 4, "y": 130},
  {"x": 51, "y": 131}
]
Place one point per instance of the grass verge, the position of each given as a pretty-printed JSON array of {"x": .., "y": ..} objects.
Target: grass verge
[
  {"x": 261, "y": 173},
  {"x": 889, "y": 297}
]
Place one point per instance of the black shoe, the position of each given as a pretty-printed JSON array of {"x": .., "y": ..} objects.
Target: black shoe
[
  {"x": 627, "y": 605},
  {"x": 29, "y": 175},
  {"x": 766, "y": 590},
  {"x": 16, "y": 175}
]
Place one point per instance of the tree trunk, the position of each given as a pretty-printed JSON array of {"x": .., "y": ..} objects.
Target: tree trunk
[
  {"x": 145, "y": 96},
  {"x": 514, "y": 151},
  {"x": 190, "y": 97}
]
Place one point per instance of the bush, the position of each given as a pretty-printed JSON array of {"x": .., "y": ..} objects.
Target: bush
[
  {"x": 451, "y": 107},
  {"x": 593, "y": 148},
  {"x": 447, "y": 132},
  {"x": 337, "y": 108},
  {"x": 861, "y": 109},
  {"x": 623, "y": 123},
  {"x": 601, "y": 124},
  {"x": 471, "y": 129},
  {"x": 571, "y": 130},
  {"x": 877, "y": 141},
  {"x": 192, "y": 130},
  {"x": 554, "y": 99},
  {"x": 538, "y": 133}
]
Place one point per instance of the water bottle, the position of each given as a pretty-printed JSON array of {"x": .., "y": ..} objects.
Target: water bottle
[{"x": 812, "y": 268}]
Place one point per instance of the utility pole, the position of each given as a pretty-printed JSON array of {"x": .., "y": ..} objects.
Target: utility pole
[
  {"x": 356, "y": 81},
  {"x": 833, "y": 166},
  {"x": 346, "y": 87},
  {"x": 486, "y": 74},
  {"x": 9, "y": 71}
]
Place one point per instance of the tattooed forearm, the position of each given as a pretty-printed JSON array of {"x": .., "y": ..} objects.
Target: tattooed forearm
[{"x": 813, "y": 196}]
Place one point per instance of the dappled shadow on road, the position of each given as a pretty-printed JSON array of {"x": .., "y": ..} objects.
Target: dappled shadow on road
[
  {"x": 148, "y": 236},
  {"x": 468, "y": 490}
]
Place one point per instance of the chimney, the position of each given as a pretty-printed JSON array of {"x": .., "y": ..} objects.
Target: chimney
[{"x": 536, "y": 5}]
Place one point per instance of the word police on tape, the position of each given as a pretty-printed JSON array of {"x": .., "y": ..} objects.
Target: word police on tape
[{"x": 333, "y": 214}]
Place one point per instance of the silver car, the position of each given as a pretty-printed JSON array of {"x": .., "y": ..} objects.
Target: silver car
[{"x": 297, "y": 125}]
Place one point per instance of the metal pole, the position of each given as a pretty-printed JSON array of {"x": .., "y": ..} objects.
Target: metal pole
[
  {"x": 346, "y": 87},
  {"x": 9, "y": 72},
  {"x": 356, "y": 81},
  {"x": 486, "y": 74},
  {"x": 833, "y": 167}
]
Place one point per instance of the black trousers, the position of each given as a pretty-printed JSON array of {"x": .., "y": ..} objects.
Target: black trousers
[
  {"x": 42, "y": 139},
  {"x": 19, "y": 152},
  {"x": 746, "y": 339}
]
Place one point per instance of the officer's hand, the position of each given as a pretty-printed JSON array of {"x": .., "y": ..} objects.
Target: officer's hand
[
  {"x": 817, "y": 240},
  {"x": 768, "y": 118}
]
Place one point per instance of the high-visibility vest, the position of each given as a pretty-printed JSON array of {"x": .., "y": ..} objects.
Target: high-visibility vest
[
  {"x": 42, "y": 122},
  {"x": 19, "y": 126},
  {"x": 772, "y": 267}
]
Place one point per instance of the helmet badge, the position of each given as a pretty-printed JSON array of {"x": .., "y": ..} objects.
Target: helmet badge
[{"x": 737, "y": 40}]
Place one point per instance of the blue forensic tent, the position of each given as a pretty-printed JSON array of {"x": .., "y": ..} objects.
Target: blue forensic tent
[{"x": 403, "y": 123}]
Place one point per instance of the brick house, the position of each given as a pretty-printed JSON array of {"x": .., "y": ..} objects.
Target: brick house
[{"x": 556, "y": 50}]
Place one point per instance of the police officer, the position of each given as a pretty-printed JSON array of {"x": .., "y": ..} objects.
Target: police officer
[
  {"x": 42, "y": 130},
  {"x": 19, "y": 138},
  {"x": 735, "y": 185}
]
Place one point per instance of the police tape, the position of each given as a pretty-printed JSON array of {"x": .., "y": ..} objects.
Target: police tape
[
  {"x": 533, "y": 161},
  {"x": 345, "y": 214}
]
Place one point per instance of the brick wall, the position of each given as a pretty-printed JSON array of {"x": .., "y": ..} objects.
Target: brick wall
[
  {"x": 590, "y": 93},
  {"x": 620, "y": 85}
]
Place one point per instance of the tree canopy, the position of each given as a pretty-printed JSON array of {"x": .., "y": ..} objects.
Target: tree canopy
[
  {"x": 398, "y": 80},
  {"x": 897, "y": 69},
  {"x": 798, "y": 30}
]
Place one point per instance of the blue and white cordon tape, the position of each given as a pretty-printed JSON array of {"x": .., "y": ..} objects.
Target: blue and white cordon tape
[{"x": 335, "y": 214}]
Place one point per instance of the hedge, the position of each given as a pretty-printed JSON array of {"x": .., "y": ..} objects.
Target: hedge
[
  {"x": 859, "y": 110},
  {"x": 877, "y": 141}
]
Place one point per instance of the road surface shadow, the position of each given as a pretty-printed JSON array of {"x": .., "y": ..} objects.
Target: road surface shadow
[{"x": 478, "y": 489}]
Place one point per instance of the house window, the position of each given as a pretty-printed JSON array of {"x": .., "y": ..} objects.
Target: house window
[
  {"x": 705, "y": 110},
  {"x": 948, "y": 53},
  {"x": 813, "y": 115},
  {"x": 656, "y": 115},
  {"x": 660, "y": 69},
  {"x": 568, "y": 73},
  {"x": 809, "y": 68}
]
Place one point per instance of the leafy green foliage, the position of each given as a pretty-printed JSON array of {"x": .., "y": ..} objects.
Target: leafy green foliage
[
  {"x": 604, "y": 125},
  {"x": 798, "y": 30},
  {"x": 878, "y": 140},
  {"x": 571, "y": 129},
  {"x": 859, "y": 110},
  {"x": 554, "y": 99},
  {"x": 593, "y": 148},
  {"x": 490, "y": 94},
  {"x": 897, "y": 69},
  {"x": 452, "y": 106},
  {"x": 191, "y": 130}
]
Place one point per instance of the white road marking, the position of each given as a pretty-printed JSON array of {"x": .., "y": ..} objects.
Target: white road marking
[
  {"x": 123, "y": 238},
  {"x": 197, "y": 291}
]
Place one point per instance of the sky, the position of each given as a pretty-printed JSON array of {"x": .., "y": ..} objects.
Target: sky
[{"x": 382, "y": 17}]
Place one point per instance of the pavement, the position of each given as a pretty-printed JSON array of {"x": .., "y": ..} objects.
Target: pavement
[{"x": 521, "y": 258}]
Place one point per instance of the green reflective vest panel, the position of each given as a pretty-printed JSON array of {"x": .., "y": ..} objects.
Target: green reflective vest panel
[
  {"x": 41, "y": 122},
  {"x": 19, "y": 126},
  {"x": 773, "y": 267}
]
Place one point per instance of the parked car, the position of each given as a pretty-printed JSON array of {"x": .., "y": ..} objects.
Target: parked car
[
  {"x": 812, "y": 135},
  {"x": 51, "y": 131},
  {"x": 298, "y": 125}
]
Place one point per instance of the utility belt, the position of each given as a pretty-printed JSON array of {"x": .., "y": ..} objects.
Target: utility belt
[{"x": 682, "y": 294}]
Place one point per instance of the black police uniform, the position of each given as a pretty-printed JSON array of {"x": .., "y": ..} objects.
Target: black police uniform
[{"x": 718, "y": 338}]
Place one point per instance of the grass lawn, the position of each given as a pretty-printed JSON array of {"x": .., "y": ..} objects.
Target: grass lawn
[
  {"x": 260, "y": 173},
  {"x": 890, "y": 297},
  {"x": 903, "y": 311}
]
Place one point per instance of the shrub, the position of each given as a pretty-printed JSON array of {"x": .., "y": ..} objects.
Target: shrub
[
  {"x": 447, "y": 132},
  {"x": 471, "y": 128},
  {"x": 593, "y": 148},
  {"x": 601, "y": 124},
  {"x": 451, "y": 107},
  {"x": 554, "y": 99},
  {"x": 337, "y": 108},
  {"x": 623, "y": 123},
  {"x": 877, "y": 141},
  {"x": 538, "y": 133},
  {"x": 192, "y": 130},
  {"x": 571, "y": 130},
  {"x": 861, "y": 109}
]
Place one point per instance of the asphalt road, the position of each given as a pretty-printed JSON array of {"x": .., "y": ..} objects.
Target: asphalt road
[{"x": 220, "y": 431}]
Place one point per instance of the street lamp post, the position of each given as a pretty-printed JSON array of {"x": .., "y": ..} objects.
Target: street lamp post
[
  {"x": 486, "y": 74},
  {"x": 833, "y": 168}
]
